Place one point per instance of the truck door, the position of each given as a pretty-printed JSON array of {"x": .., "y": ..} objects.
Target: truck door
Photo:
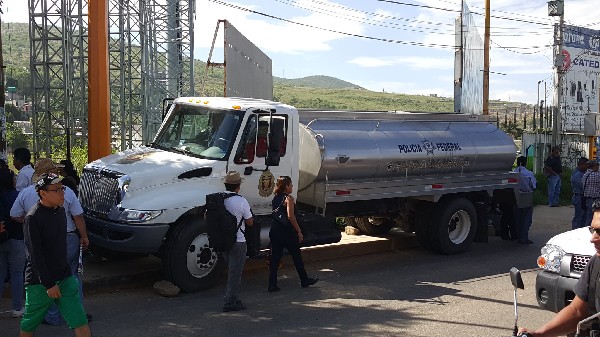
[{"x": 249, "y": 160}]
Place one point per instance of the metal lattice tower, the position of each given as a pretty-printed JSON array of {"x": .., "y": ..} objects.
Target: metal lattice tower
[
  {"x": 150, "y": 58},
  {"x": 168, "y": 56}
]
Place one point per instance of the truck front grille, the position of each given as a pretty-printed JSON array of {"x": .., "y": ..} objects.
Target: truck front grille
[
  {"x": 578, "y": 263},
  {"x": 99, "y": 191}
]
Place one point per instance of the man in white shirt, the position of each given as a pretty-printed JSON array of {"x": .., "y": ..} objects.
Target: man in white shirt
[
  {"x": 22, "y": 162},
  {"x": 236, "y": 257},
  {"x": 28, "y": 197}
]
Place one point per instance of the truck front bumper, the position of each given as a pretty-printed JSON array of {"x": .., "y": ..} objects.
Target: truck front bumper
[
  {"x": 553, "y": 291},
  {"x": 125, "y": 237}
]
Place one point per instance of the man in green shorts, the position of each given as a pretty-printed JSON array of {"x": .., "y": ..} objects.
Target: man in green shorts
[{"x": 48, "y": 276}]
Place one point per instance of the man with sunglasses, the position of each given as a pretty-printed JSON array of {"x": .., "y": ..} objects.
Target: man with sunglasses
[
  {"x": 48, "y": 277},
  {"x": 587, "y": 291},
  {"x": 29, "y": 197}
]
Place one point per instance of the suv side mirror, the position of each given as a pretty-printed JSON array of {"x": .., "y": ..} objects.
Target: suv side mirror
[{"x": 515, "y": 278}]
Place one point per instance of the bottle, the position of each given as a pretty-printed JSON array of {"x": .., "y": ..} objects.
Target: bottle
[{"x": 80, "y": 267}]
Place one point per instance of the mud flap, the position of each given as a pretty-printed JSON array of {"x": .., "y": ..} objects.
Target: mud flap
[{"x": 483, "y": 216}]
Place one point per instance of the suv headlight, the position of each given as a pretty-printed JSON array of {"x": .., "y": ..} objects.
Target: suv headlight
[
  {"x": 551, "y": 258},
  {"x": 136, "y": 216}
]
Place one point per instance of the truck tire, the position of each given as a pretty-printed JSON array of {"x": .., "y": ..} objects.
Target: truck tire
[
  {"x": 373, "y": 226},
  {"x": 452, "y": 232},
  {"x": 188, "y": 261}
]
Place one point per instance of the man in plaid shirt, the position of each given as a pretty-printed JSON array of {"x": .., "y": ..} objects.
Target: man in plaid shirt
[{"x": 591, "y": 188}]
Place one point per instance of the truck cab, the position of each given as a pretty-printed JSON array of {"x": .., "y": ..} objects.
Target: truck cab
[{"x": 144, "y": 200}]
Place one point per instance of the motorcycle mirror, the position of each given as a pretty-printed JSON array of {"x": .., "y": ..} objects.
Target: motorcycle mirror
[{"x": 515, "y": 278}]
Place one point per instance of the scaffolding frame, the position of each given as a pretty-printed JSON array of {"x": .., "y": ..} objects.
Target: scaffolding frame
[{"x": 150, "y": 58}]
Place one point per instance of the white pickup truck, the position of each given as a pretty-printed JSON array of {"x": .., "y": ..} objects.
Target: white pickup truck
[{"x": 562, "y": 260}]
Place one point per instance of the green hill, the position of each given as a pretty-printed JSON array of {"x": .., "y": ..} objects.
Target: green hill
[{"x": 317, "y": 81}]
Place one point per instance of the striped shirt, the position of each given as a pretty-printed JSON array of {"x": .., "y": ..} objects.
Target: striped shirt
[{"x": 591, "y": 184}]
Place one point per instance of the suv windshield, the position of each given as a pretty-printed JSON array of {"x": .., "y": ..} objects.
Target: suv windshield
[{"x": 198, "y": 131}]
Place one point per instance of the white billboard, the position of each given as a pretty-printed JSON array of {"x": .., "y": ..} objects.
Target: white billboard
[
  {"x": 581, "y": 66},
  {"x": 248, "y": 71}
]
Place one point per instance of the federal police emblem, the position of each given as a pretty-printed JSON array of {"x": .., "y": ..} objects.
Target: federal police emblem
[{"x": 266, "y": 183}]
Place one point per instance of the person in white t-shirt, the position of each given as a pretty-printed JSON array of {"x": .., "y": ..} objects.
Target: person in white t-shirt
[
  {"x": 22, "y": 162},
  {"x": 236, "y": 256}
]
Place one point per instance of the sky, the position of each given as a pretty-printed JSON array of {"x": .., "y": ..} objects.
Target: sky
[{"x": 404, "y": 46}]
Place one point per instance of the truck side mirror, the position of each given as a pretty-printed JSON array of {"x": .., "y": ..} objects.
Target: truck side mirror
[
  {"x": 166, "y": 105},
  {"x": 274, "y": 150}
]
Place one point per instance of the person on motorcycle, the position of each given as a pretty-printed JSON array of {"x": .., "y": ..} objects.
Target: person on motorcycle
[{"x": 587, "y": 299}]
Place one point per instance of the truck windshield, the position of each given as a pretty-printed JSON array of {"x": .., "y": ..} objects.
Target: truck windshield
[{"x": 198, "y": 131}]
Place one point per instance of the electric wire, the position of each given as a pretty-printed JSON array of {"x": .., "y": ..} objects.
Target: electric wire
[{"x": 403, "y": 42}]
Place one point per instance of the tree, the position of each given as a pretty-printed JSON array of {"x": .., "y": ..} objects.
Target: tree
[{"x": 15, "y": 137}]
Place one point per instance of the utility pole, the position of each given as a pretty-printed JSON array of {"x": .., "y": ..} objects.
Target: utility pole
[
  {"x": 486, "y": 59},
  {"x": 2, "y": 100},
  {"x": 548, "y": 123},
  {"x": 98, "y": 88},
  {"x": 557, "y": 8}
]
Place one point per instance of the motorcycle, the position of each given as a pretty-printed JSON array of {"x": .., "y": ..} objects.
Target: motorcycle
[{"x": 517, "y": 282}]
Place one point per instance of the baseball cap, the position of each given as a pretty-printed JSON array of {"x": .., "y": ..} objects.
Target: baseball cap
[{"x": 47, "y": 179}]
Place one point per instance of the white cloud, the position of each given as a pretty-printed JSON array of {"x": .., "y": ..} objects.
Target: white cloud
[
  {"x": 273, "y": 35},
  {"x": 413, "y": 62}
]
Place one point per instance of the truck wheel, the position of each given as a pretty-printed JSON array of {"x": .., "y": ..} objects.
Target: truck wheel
[
  {"x": 454, "y": 229},
  {"x": 189, "y": 262},
  {"x": 373, "y": 226}
]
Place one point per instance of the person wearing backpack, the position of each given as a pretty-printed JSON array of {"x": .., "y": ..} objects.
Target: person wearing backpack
[{"x": 236, "y": 256}]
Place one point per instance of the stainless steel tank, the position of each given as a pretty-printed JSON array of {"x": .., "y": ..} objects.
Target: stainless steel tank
[{"x": 366, "y": 145}]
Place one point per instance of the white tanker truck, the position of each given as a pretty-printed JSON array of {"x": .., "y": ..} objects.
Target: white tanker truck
[{"x": 434, "y": 174}]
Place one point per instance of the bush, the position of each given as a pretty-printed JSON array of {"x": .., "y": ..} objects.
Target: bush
[{"x": 540, "y": 195}]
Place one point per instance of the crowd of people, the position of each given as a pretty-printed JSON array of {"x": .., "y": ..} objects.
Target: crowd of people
[{"x": 42, "y": 234}]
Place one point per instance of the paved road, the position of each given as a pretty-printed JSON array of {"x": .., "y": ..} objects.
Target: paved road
[{"x": 401, "y": 293}]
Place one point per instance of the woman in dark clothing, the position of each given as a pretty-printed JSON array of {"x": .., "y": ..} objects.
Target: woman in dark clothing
[
  {"x": 288, "y": 236},
  {"x": 71, "y": 178},
  {"x": 12, "y": 251}
]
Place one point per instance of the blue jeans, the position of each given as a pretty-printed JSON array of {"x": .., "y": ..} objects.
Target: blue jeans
[
  {"x": 12, "y": 262},
  {"x": 553, "y": 190},
  {"x": 524, "y": 219},
  {"x": 588, "y": 212},
  {"x": 236, "y": 258},
  {"x": 53, "y": 316},
  {"x": 579, "y": 216}
]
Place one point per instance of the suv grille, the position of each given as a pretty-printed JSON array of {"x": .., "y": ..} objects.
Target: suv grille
[
  {"x": 99, "y": 191},
  {"x": 578, "y": 263}
]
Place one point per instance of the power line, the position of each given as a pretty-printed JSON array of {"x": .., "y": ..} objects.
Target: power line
[
  {"x": 403, "y": 42},
  {"x": 412, "y": 43},
  {"x": 366, "y": 20}
]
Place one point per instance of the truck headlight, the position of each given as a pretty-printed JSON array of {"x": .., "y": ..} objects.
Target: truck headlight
[
  {"x": 134, "y": 215},
  {"x": 551, "y": 258}
]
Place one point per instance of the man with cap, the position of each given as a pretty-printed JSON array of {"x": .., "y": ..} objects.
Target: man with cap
[
  {"x": 48, "y": 277},
  {"x": 553, "y": 170},
  {"x": 236, "y": 257},
  {"x": 29, "y": 197},
  {"x": 591, "y": 188}
]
